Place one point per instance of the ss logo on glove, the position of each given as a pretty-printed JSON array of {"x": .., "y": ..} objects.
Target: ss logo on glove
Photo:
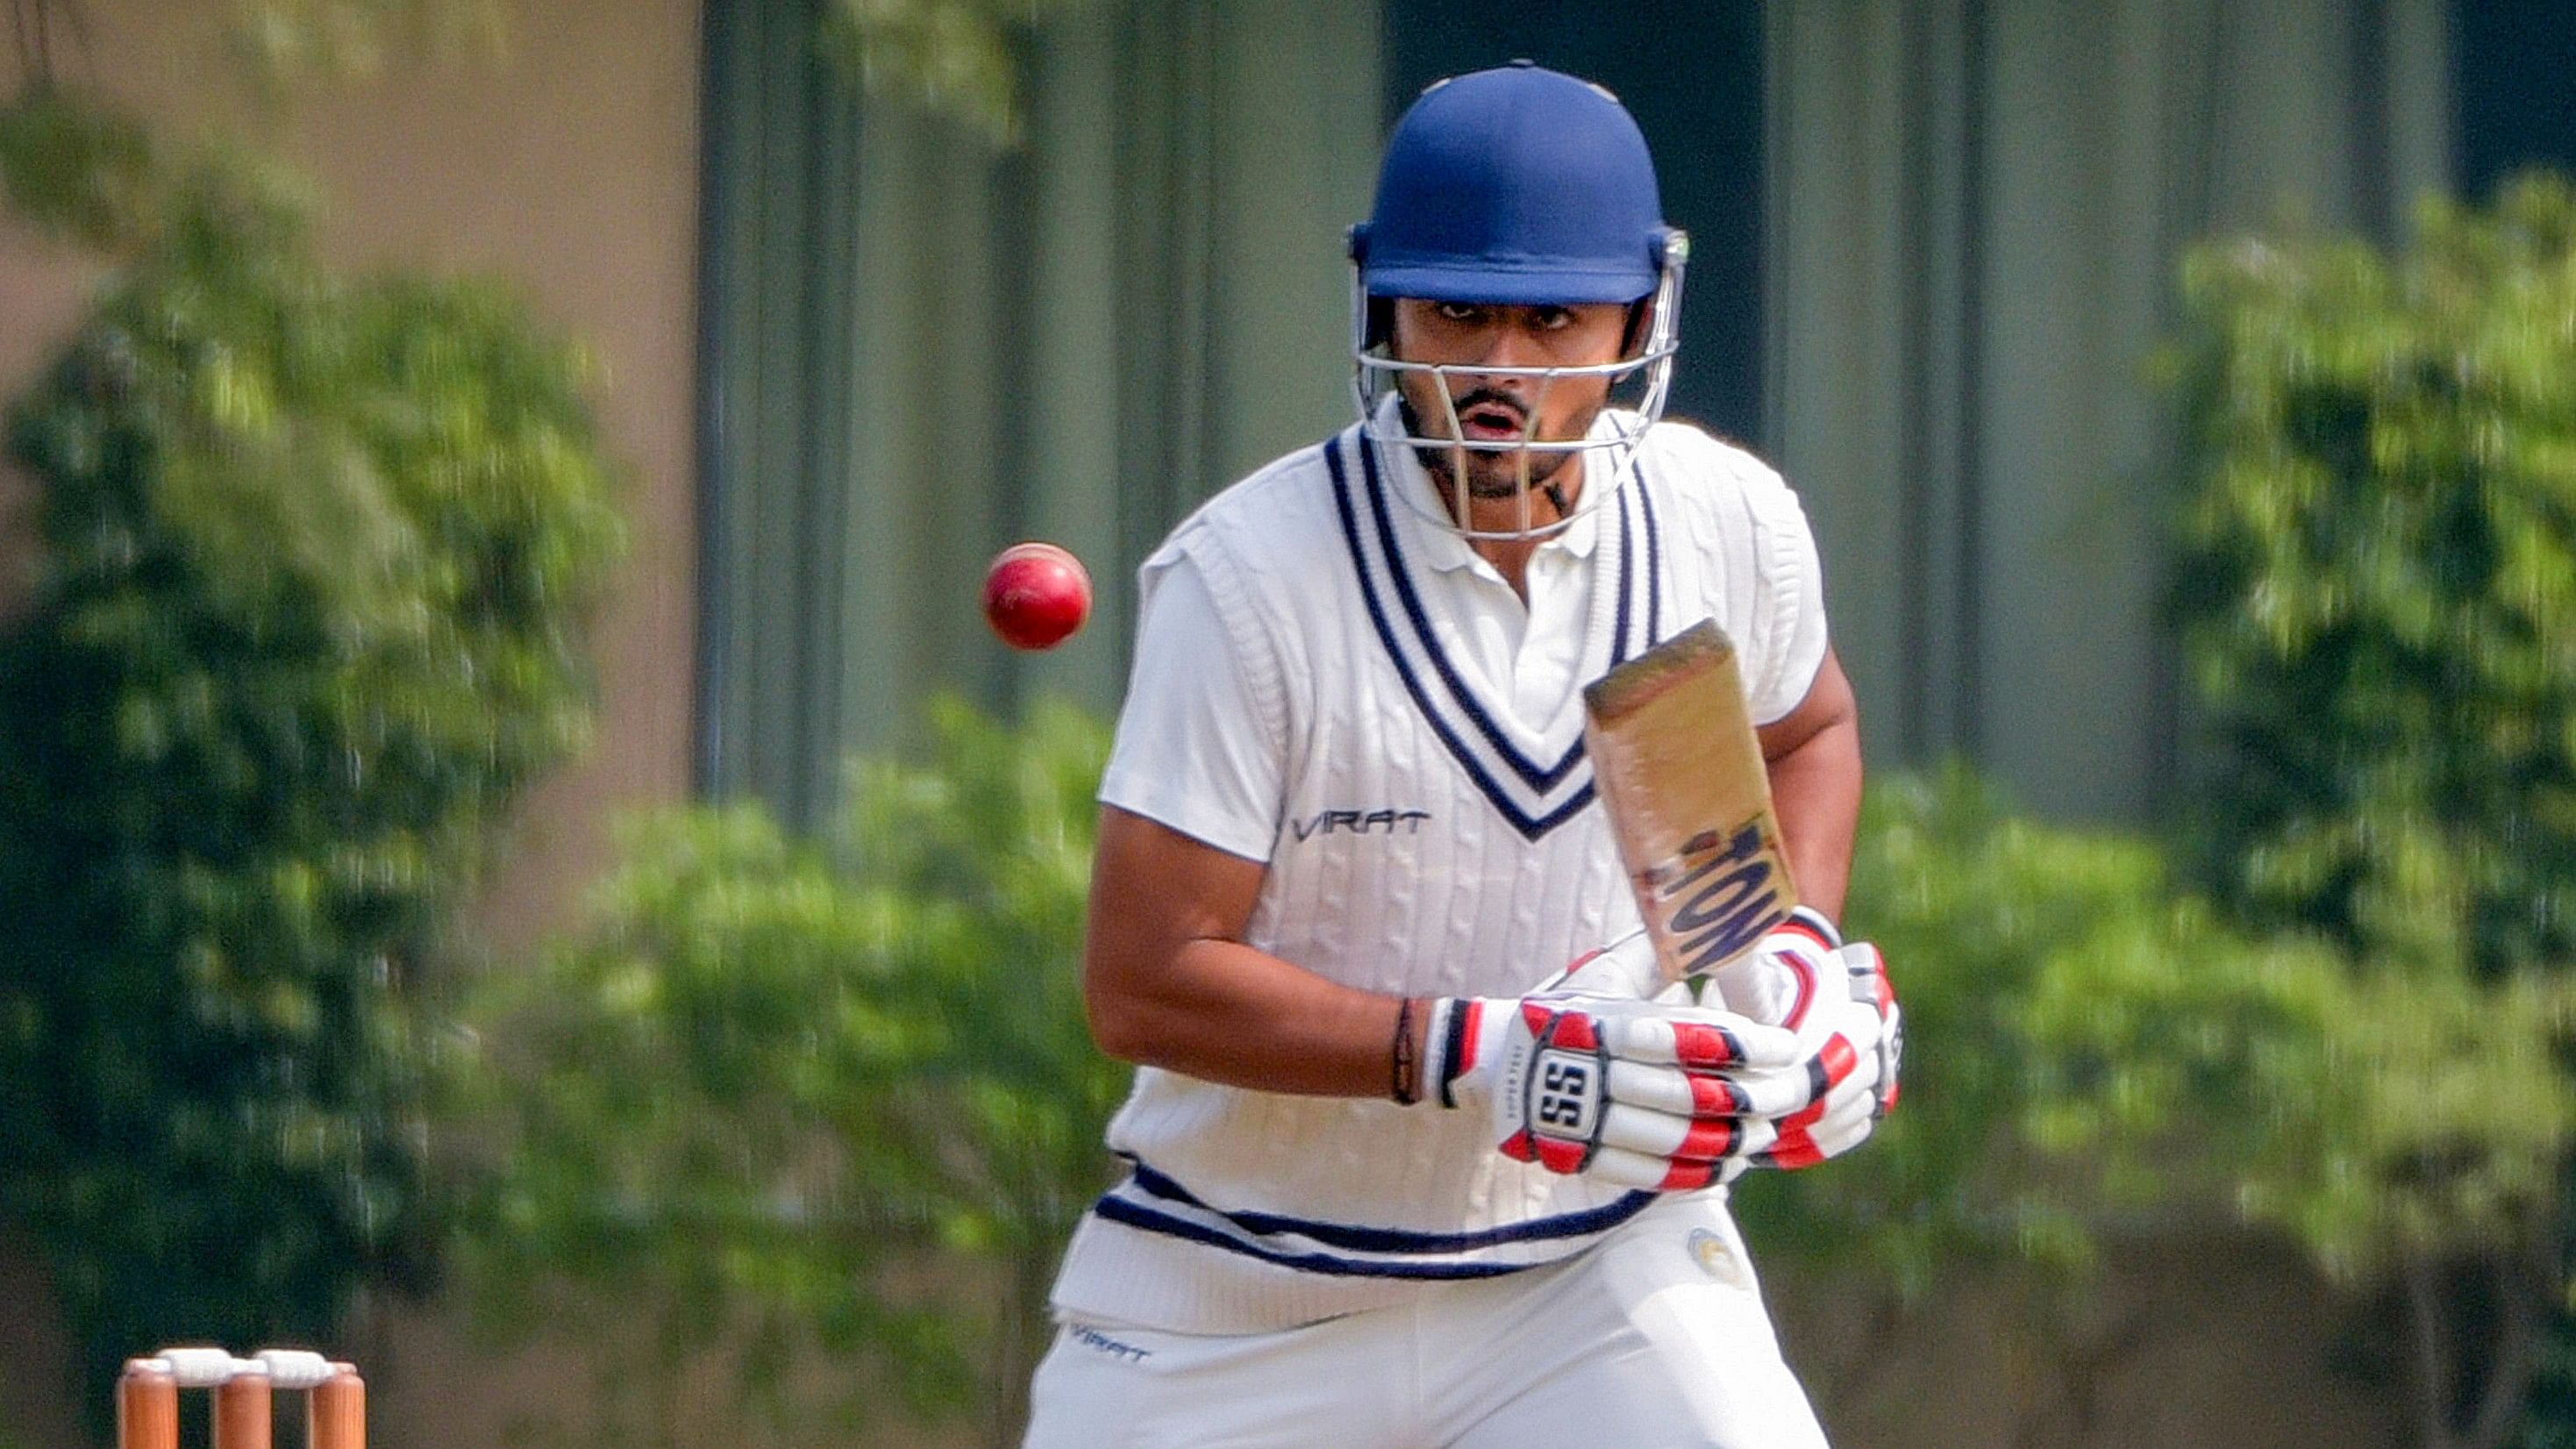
[{"x": 1568, "y": 1096}]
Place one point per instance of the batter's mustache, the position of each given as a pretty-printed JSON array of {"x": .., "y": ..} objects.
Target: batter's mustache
[
  {"x": 1490, "y": 397},
  {"x": 1480, "y": 397}
]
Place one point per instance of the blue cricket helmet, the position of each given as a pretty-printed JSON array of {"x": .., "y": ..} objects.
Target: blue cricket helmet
[{"x": 1514, "y": 185}]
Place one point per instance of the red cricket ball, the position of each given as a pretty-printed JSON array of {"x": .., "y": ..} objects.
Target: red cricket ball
[{"x": 1036, "y": 595}]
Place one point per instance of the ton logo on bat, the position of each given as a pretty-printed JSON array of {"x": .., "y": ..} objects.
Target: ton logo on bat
[{"x": 1734, "y": 897}]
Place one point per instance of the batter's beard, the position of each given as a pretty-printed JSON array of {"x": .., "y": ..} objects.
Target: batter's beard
[{"x": 1492, "y": 476}]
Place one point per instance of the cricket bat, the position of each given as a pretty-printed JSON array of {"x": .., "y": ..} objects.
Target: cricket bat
[{"x": 1681, "y": 775}]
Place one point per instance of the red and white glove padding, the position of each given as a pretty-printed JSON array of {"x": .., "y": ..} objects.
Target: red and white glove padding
[
  {"x": 1662, "y": 1095},
  {"x": 1839, "y": 1003}
]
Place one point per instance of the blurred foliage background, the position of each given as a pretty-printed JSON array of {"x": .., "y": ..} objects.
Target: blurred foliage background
[
  {"x": 315, "y": 554},
  {"x": 2098, "y": 1056},
  {"x": 315, "y": 557},
  {"x": 2342, "y": 1011},
  {"x": 811, "y": 1103},
  {"x": 2378, "y": 584},
  {"x": 2377, "y": 597},
  {"x": 960, "y": 58}
]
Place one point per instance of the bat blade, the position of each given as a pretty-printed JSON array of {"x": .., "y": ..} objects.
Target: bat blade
[{"x": 1681, "y": 775}]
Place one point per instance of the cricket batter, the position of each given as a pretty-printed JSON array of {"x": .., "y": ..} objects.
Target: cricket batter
[{"x": 1397, "y": 1176}]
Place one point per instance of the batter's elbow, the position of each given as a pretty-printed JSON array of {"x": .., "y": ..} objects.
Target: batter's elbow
[{"x": 1118, "y": 1027}]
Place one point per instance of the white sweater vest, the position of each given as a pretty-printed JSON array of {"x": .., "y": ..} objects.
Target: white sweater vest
[{"x": 1426, "y": 843}]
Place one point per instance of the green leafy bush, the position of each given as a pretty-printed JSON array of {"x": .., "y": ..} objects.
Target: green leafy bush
[
  {"x": 2378, "y": 596},
  {"x": 959, "y": 58},
  {"x": 2095, "y": 1052},
  {"x": 2378, "y": 582},
  {"x": 314, "y": 560},
  {"x": 786, "y": 1098},
  {"x": 77, "y": 171}
]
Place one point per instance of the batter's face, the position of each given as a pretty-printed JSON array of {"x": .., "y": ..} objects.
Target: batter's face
[{"x": 1499, "y": 406}]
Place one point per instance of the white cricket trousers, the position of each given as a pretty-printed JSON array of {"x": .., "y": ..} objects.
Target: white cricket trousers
[{"x": 1655, "y": 1338}]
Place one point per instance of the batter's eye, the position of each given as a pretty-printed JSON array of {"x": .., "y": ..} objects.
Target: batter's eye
[
  {"x": 1461, "y": 312},
  {"x": 1551, "y": 319}
]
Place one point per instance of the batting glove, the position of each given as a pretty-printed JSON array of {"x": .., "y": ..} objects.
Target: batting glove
[
  {"x": 1839, "y": 1002},
  {"x": 1781, "y": 979},
  {"x": 1640, "y": 1093}
]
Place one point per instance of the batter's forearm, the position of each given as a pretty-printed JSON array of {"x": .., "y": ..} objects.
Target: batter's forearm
[
  {"x": 1168, "y": 981},
  {"x": 1224, "y": 1012},
  {"x": 1815, "y": 790}
]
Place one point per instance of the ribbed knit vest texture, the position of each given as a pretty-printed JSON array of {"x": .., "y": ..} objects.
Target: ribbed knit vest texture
[{"x": 1428, "y": 844}]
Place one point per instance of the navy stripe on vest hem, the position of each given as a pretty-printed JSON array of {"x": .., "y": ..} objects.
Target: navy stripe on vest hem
[
  {"x": 1357, "y": 1239},
  {"x": 1153, "y": 1222}
]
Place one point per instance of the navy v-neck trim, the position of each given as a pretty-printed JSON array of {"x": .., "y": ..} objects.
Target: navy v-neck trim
[
  {"x": 1532, "y": 773},
  {"x": 1534, "y": 816},
  {"x": 1654, "y": 555}
]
